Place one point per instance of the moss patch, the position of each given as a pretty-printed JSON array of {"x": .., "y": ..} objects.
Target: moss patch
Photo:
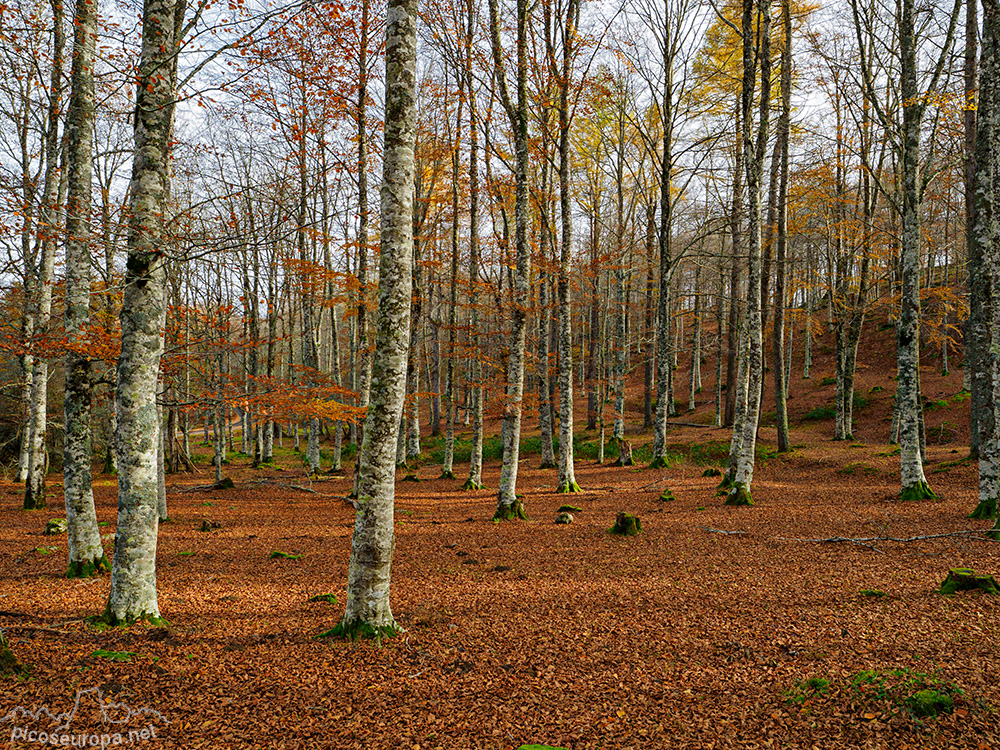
[
  {"x": 739, "y": 494},
  {"x": 283, "y": 556},
  {"x": 917, "y": 491},
  {"x": 361, "y": 630},
  {"x": 966, "y": 579},
  {"x": 328, "y": 598},
  {"x": 512, "y": 512},
  {"x": 88, "y": 568},
  {"x": 626, "y": 525}
]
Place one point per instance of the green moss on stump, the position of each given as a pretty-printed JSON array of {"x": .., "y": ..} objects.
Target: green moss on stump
[
  {"x": 918, "y": 491},
  {"x": 739, "y": 494},
  {"x": 568, "y": 487},
  {"x": 88, "y": 568},
  {"x": 328, "y": 598},
  {"x": 667, "y": 495},
  {"x": 361, "y": 630},
  {"x": 569, "y": 509},
  {"x": 512, "y": 512},
  {"x": 471, "y": 484},
  {"x": 626, "y": 525},
  {"x": 966, "y": 579}
]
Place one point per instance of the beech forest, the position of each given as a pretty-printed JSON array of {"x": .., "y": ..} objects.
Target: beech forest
[{"x": 498, "y": 374}]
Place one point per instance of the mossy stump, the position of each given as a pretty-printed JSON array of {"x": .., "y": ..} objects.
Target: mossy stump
[
  {"x": 55, "y": 527},
  {"x": 666, "y": 496},
  {"x": 966, "y": 579},
  {"x": 739, "y": 494},
  {"x": 472, "y": 484},
  {"x": 568, "y": 487},
  {"x": 917, "y": 491},
  {"x": 626, "y": 525},
  {"x": 624, "y": 453},
  {"x": 224, "y": 484},
  {"x": 564, "y": 518},
  {"x": 513, "y": 512}
]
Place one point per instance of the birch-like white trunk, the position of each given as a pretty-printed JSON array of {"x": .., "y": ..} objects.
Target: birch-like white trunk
[
  {"x": 368, "y": 612},
  {"x": 986, "y": 225},
  {"x": 133, "y": 576},
  {"x": 48, "y": 227},
  {"x": 86, "y": 554},
  {"x": 745, "y": 426}
]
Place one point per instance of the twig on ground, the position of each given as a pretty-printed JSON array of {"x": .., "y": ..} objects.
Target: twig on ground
[
  {"x": 865, "y": 541},
  {"x": 710, "y": 530}
]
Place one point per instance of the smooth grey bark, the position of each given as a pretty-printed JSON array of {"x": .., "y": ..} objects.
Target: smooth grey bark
[
  {"x": 508, "y": 504},
  {"x": 475, "y": 369},
  {"x": 913, "y": 103},
  {"x": 448, "y": 469},
  {"x": 48, "y": 227},
  {"x": 567, "y": 476},
  {"x": 664, "y": 396},
  {"x": 985, "y": 243},
  {"x": 782, "y": 130},
  {"x": 133, "y": 576},
  {"x": 977, "y": 326},
  {"x": 743, "y": 446},
  {"x": 649, "y": 334},
  {"x": 694, "y": 382},
  {"x": 86, "y": 554},
  {"x": 367, "y": 611}
]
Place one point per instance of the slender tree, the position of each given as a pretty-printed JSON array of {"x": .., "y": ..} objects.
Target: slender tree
[{"x": 368, "y": 612}]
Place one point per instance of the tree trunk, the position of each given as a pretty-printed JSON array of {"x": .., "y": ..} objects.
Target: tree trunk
[
  {"x": 745, "y": 424},
  {"x": 508, "y": 504},
  {"x": 367, "y": 612},
  {"x": 133, "y": 575},
  {"x": 985, "y": 245},
  {"x": 37, "y": 466},
  {"x": 86, "y": 554}
]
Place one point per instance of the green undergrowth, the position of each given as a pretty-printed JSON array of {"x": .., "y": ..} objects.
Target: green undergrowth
[{"x": 900, "y": 692}]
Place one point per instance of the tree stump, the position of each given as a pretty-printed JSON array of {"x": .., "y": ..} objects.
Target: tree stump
[
  {"x": 966, "y": 579},
  {"x": 55, "y": 526},
  {"x": 564, "y": 518},
  {"x": 624, "y": 453},
  {"x": 626, "y": 524}
]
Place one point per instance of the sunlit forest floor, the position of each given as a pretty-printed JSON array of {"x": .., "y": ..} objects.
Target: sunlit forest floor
[{"x": 715, "y": 627}]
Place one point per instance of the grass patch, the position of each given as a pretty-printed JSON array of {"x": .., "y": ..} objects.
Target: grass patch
[
  {"x": 905, "y": 690},
  {"x": 827, "y": 411},
  {"x": 804, "y": 690}
]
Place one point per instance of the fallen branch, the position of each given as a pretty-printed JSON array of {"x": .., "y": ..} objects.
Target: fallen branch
[
  {"x": 710, "y": 530},
  {"x": 866, "y": 541},
  {"x": 36, "y": 627},
  {"x": 691, "y": 424}
]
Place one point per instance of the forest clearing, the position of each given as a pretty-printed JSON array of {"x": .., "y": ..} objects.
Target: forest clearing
[{"x": 717, "y": 626}]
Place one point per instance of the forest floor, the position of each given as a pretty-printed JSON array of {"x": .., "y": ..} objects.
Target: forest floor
[{"x": 716, "y": 627}]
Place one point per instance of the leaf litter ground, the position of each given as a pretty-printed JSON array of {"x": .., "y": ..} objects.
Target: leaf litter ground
[{"x": 535, "y": 632}]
